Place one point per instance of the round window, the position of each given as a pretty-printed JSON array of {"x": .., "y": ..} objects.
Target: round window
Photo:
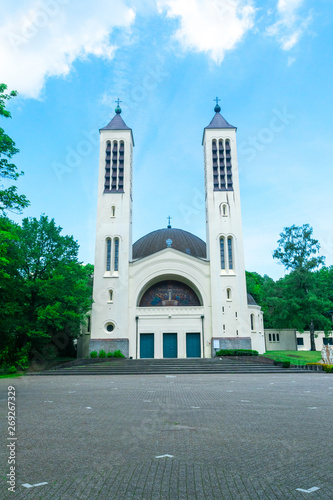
[{"x": 109, "y": 327}]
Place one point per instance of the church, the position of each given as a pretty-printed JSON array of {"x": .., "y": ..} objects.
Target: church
[{"x": 170, "y": 294}]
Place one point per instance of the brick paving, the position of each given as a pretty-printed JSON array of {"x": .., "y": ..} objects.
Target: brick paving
[{"x": 231, "y": 437}]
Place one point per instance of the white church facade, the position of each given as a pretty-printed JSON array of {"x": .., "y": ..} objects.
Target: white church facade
[{"x": 170, "y": 294}]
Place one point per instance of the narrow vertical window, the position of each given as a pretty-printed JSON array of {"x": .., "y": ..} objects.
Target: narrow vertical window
[
  {"x": 270, "y": 337},
  {"x": 215, "y": 165},
  {"x": 221, "y": 165},
  {"x": 116, "y": 254},
  {"x": 222, "y": 252},
  {"x": 230, "y": 256},
  {"x": 110, "y": 296},
  {"x": 114, "y": 166},
  {"x": 107, "y": 166},
  {"x": 228, "y": 164},
  {"x": 121, "y": 167},
  {"x": 108, "y": 254},
  {"x": 228, "y": 293},
  {"x": 113, "y": 211},
  {"x": 252, "y": 322},
  {"x": 88, "y": 324}
]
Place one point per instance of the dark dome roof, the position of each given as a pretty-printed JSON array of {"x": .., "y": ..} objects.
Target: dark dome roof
[
  {"x": 180, "y": 240},
  {"x": 250, "y": 300}
]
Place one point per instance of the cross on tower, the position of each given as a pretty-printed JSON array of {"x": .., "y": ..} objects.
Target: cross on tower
[
  {"x": 118, "y": 101},
  {"x": 169, "y": 219},
  {"x": 216, "y": 100}
]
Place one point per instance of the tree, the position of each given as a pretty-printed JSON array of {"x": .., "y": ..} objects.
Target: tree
[
  {"x": 57, "y": 293},
  {"x": 301, "y": 303},
  {"x": 45, "y": 291},
  {"x": 9, "y": 198},
  {"x": 297, "y": 250},
  {"x": 11, "y": 285},
  {"x": 263, "y": 290}
]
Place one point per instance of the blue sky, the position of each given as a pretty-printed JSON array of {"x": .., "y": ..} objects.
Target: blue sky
[{"x": 269, "y": 62}]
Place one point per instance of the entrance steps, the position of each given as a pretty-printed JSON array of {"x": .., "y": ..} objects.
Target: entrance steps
[{"x": 166, "y": 367}]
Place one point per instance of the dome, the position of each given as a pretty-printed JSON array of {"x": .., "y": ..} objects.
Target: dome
[
  {"x": 169, "y": 238},
  {"x": 250, "y": 300}
]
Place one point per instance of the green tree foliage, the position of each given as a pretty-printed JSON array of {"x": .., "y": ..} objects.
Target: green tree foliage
[
  {"x": 49, "y": 289},
  {"x": 11, "y": 284},
  {"x": 299, "y": 302},
  {"x": 9, "y": 198},
  {"x": 297, "y": 250}
]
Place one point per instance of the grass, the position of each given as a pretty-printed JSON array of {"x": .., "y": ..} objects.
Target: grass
[
  {"x": 11, "y": 375},
  {"x": 295, "y": 357}
]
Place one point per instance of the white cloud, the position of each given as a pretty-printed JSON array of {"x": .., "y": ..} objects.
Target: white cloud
[
  {"x": 288, "y": 6},
  {"x": 40, "y": 39},
  {"x": 291, "y": 25},
  {"x": 210, "y": 26}
]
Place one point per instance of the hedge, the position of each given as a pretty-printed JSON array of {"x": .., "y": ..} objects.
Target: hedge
[
  {"x": 237, "y": 352},
  {"x": 326, "y": 368}
]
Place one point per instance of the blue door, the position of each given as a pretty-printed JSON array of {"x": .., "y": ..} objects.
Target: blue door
[
  {"x": 170, "y": 345},
  {"x": 193, "y": 349},
  {"x": 146, "y": 345}
]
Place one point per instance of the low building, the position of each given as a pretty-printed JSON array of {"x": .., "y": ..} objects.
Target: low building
[{"x": 292, "y": 340}]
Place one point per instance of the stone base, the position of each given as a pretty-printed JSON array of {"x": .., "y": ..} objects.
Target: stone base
[
  {"x": 231, "y": 343},
  {"x": 110, "y": 345}
]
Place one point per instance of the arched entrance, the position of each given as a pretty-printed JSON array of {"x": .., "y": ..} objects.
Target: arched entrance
[{"x": 170, "y": 320}]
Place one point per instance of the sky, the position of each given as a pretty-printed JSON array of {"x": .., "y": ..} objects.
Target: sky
[{"x": 270, "y": 63}]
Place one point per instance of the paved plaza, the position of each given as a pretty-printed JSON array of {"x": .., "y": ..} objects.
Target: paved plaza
[{"x": 171, "y": 437}]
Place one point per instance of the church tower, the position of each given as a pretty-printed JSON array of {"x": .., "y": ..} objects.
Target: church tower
[
  {"x": 113, "y": 250},
  {"x": 230, "y": 318}
]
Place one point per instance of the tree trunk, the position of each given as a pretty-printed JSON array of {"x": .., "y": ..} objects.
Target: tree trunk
[{"x": 312, "y": 337}]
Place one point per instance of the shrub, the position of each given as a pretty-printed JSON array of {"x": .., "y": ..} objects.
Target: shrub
[
  {"x": 286, "y": 364},
  {"x": 237, "y": 352},
  {"x": 93, "y": 354},
  {"x": 23, "y": 362},
  {"x": 109, "y": 355},
  {"x": 12, "y": 369},
  {"x": 118, "y": 354},
  {"x": 326, "y": 368},
  {"x": 102, "y": 353}
]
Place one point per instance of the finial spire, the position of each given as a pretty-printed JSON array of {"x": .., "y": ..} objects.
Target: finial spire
[
  {"x": 169, "y": 219},
  {"x": 217, "y": 108},
  {"x": 118, "y": 108}
]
